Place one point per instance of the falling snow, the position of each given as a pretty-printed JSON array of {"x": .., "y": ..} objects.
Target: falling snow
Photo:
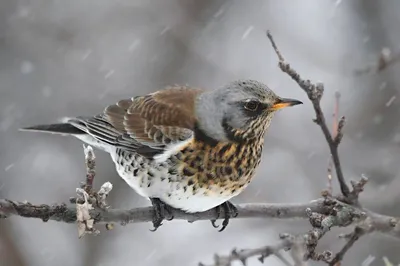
[
  {"x": 219, "y": 12},
  {"x": 165, "y": 30},
  {"x": 391, "y": 100},
  {"x": 47, "y": 91},
  {"x": 368, "y": 261},
  {"x": 377, "y": 119},
  {"x": 337, "y": 3},
  {"x": 151, "y": 255},
  {"x": 26, "y": 67},
  {"x": 86, "y": 55},
  {"x": 396, "y": 138},
  {"x": 23, "y": 12},
  {"x": 383, "y": 86},
  {"x": 134, "y": 45},
  {"x": 247, "y": 32},
  {"x": 8, "y": 167},
  {"x": 109, "y": 74},
  {"x": 366, "y": 39}
]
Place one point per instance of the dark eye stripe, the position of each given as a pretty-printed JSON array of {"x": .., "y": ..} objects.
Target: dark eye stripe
[{"x": 258, "y": 111}]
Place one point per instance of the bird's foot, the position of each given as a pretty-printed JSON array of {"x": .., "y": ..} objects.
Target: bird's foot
[
  {"x": 230, "y": 211},
  {"x": 162, "y": 212}
]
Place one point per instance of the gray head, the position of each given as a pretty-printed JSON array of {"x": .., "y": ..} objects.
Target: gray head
[{"x": 240, "y": 111}]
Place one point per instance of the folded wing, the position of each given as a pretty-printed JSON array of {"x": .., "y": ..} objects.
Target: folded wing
[{"x": 145, "y": 124}]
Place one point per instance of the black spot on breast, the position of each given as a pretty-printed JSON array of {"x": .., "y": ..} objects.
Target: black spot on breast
[
  {"x": 193, "y": 164},
  {"x": 219, "y": 171},
  {"x": 230, "y": 159},
  {"x": 195, "y": 188},
  {"x": 150, "y": 174},
  {"x": 238, "y": 163},
  {"x": 228, "y": 170},
  {"x": 179, "y": 156},
  {"x": 240, "y": 172},
  {"x": 190, "y": 182},
  {"x": 135, "y": 172},
  {"x": 200, "y": 168},
  {"x": 187, "y": 150},
  {"x": 172, "y": 171},
  {"x": 209, "y": 176},
  {"x": 223, "y": 150},
  {"x": 187, "y": 172}
]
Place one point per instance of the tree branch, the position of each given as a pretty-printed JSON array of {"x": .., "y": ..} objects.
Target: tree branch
[
  {"x": 314, "y": 93},
  {"x": 67, "y": 213},
  {"x": 351, "y": 239},
  {"x": 335, "y": 133}
]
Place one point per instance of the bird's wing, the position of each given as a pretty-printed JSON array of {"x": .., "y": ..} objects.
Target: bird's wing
[{"x": 145, "y": 124}]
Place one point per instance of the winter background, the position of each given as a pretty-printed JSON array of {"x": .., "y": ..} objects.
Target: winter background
[{"x": 66, "y": 58}]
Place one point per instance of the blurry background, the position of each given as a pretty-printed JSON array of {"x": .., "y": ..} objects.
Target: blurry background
[{"x": 66, "y": 58}]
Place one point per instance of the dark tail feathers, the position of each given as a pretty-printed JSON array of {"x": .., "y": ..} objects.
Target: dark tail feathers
[{"x": 61, "y": 128}]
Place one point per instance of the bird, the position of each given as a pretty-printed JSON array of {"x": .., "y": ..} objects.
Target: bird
[{"x": 182, "y": 147}]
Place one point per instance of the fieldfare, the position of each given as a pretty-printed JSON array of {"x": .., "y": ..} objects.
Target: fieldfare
[{"x": 187, "y": 148}]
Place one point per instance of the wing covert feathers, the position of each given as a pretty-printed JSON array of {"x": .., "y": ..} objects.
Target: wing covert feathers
[{"x": 156, "y": 119}]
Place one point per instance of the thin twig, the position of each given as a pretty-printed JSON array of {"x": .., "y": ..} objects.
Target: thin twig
[
  {"x": 351, "y": 239},
  {"x": 334, "y": 134},
  {"x": 90, "y": 162},
  {"x": 262, "y": 253},
  {"x": 314, "y": 93}
]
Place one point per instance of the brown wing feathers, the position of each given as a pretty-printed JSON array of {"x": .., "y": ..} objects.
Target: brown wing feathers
[{"x": 156, "y": 119}]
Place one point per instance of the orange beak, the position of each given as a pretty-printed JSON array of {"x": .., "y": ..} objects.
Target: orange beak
[{"x": 285, "y": 102}]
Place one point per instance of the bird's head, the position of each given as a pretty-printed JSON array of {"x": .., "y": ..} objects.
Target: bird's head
[{"x": 240, "y": 111}]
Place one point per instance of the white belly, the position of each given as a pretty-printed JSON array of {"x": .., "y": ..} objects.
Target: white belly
[
  {"x": 171, "y": 192},
  {"x": 193, "y": 203},
  {"x": 170, "y": 189}
]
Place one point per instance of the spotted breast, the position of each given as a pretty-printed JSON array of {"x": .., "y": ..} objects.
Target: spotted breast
[{"x": 197, "y": 175}]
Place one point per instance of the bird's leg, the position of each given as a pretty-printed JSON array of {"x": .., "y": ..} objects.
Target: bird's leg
[
  {"x": 229, "y": 211},
  {"x": 160, "y": 211},
  {"x": 218, "y": 211}
]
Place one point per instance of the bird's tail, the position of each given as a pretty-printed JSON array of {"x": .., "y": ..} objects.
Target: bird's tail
[
  {"x": 76, "y": 127},
  {"x": 60, "y": 128}
]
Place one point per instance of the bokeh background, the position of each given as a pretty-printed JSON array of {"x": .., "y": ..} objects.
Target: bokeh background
[{"x": 65, "y": 58}]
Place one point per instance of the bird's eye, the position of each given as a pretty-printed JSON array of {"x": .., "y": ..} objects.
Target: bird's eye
[{"x": 251, "y": 106}]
